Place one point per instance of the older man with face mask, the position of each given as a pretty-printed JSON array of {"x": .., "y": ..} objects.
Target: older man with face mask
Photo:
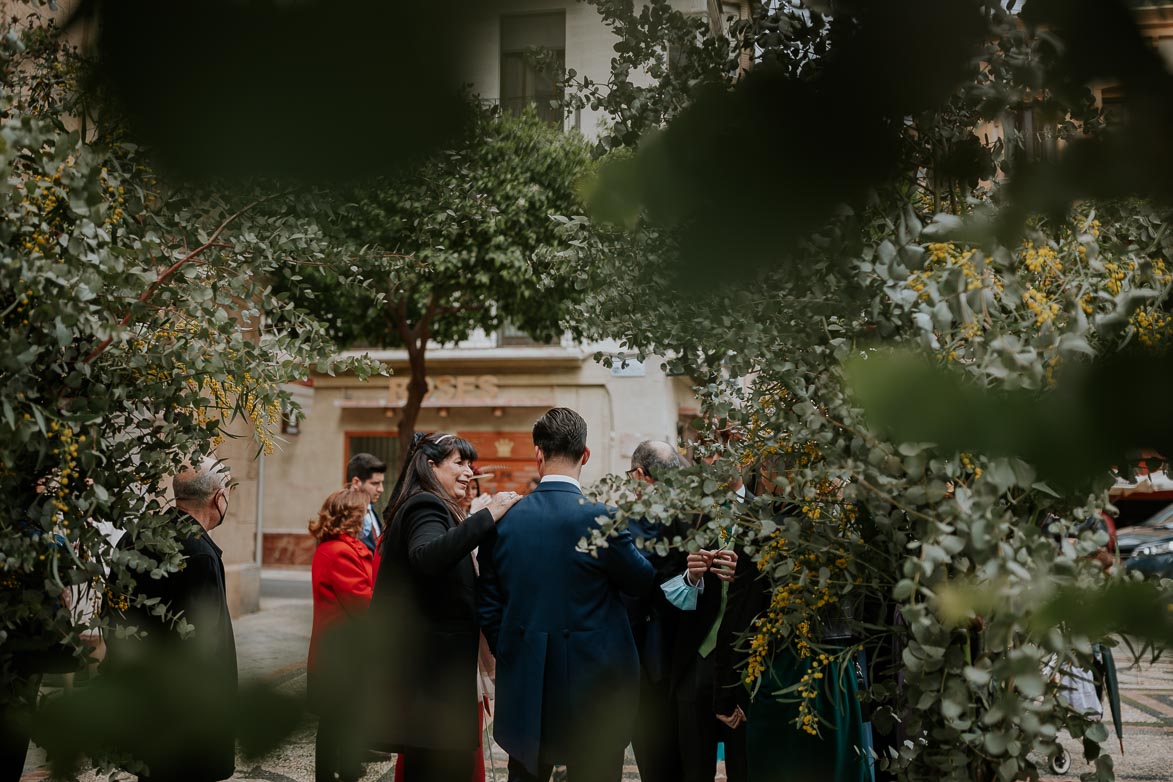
[{"x": 187, "y": 684}]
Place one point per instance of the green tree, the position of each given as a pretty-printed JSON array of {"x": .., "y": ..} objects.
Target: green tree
[
  {"x": 787, "y": 226},
  {"x": 468, "y": 240},
  {"x": 137, "y": 326}
]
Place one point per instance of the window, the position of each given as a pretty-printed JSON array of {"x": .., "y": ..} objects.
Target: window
[
  {"x": 512, "y": 336},
  {"x": 1028, "y": 132},
  {"x": 522, "y": 83}
]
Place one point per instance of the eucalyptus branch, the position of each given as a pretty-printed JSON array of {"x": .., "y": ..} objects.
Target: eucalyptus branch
[
  {"x": 893, "y": 501},
  {"x": 170, "y": 270}
]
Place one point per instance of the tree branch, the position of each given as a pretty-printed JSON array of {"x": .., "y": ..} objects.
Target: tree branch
[{"x": 170, "y": 270}]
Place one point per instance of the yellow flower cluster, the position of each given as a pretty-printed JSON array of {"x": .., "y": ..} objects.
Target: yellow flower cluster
[
  {"x": 794, "y": 604},
  {"x": 41, "y": 207},
  {"x": 116, "y": 197},
  {"x": 263, "y": 417},
  {"x": 1161, "y": 274},
  {"x": 1117, "y": 274},
  {"x": 1052, "y": 272},
  {"x": 225, "y": 397},
  {"x": 1043, "y": 309},
  {"x": 66, "y": 450},
  {"x": 1041, "y": 260},
  {"x": 117, "y": 602},
  {"x": 19, "y": 308},
  {"x": 1153, "y": 327},
  {"x": 943, "y": 255},
  {"x": 808, "y": 689}
]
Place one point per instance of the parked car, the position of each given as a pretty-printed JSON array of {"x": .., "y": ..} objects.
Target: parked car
[{"x": 1148, "y": 547}]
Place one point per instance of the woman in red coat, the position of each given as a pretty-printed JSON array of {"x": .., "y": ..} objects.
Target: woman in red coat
[{"x": 343, "y": 579}]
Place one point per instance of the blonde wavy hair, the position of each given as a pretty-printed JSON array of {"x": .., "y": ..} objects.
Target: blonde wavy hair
[{"x": 341, "y": 514}]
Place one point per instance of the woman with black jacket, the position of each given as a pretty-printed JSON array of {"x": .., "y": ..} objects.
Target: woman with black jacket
[{"x": 424, "y": 610}]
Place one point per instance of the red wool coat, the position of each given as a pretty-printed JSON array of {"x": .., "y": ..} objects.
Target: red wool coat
[{"x": 343, "y": 579}]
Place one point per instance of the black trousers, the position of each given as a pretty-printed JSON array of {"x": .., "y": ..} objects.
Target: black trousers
[
  {"x": 585, "y": 766},
  {"x": 437, "y": 765},
  {"x": 19, "y": 696},
  {"x": 336, "y": 751},
  {"x": 699, "y": 731},
  {"x": 657, "y": 750}
]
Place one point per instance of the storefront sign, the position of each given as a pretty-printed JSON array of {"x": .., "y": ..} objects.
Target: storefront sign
[{"x": 450, "y": 388}]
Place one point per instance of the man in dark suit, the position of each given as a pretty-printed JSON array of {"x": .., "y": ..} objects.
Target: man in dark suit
[
  {"x": 366, "y": 472},
  {"x": 567, "y": 668},
  {"x": 184, "y": 687},
  {"x": 694, "y": 678},
  {"x": 654, "y": 622}
]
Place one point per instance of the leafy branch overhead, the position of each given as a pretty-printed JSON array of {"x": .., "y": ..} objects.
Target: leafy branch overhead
[
  {"x": 138, "y": 333},
  {"x": 470, "y": 239}
]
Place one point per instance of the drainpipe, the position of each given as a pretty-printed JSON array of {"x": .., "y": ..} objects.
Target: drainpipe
[{"x": 260, "y": 553}]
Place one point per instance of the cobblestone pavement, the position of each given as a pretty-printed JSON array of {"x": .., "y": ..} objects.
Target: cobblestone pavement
[
  {"x": 1146, "y": 701},
  {"x": 271, "y": 645}
]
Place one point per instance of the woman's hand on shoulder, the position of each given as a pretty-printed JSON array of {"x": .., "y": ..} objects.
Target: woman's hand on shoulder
[{"x": 501, "y": 502}]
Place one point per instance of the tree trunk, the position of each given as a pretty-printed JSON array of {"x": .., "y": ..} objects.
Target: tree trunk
[
  {"x": 417, "y": 389},
  {"x": 415, "y": 339}
]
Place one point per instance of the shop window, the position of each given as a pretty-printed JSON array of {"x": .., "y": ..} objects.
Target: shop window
[{"x": 523, "y": 83}]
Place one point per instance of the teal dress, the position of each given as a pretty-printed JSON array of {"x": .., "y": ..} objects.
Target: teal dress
[{"x": 778, "y": 751}]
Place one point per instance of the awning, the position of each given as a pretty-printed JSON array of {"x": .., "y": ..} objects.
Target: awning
[{"x": 1148, "y": 486}]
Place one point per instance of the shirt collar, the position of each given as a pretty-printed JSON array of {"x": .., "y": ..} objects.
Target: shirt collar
[
  {"x": 561, "y": 479},
  {"x": 740, "y": 491}
]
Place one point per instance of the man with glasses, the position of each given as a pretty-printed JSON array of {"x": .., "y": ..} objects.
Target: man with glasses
[
  {"x": 655, "y": 619},
  {"x": 185, "y": 684}
]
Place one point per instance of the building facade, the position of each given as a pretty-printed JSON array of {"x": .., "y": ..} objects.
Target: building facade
[{"x": 490, "y": 395}]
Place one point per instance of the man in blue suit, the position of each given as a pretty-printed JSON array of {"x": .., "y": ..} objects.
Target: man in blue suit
[{"x": 567, "y": 668}]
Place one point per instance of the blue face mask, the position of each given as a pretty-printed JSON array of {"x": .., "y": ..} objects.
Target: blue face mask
[{"x": 679, "y": 593}]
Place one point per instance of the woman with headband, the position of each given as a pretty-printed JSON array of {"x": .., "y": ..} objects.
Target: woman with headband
[{"x": 424, "y": 608}]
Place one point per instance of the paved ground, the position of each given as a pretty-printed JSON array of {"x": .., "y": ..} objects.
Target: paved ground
[
  {"x": 272, "y": 644},
  {"x": 1146, "y": 695}
]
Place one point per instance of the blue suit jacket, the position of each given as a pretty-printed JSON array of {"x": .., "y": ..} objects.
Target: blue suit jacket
[{"x": 567, "y": 669}]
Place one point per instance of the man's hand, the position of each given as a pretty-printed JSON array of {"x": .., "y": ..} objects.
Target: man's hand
[
  {"x": 733, "y": 721},
  {"x": 698, "y": 564},
  {"x": 724, "y": 564}
]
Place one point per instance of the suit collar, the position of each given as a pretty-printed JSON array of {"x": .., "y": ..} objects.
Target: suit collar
[
  {"x": 561, "y": 486},
  {"x": 562, "y": 479}
]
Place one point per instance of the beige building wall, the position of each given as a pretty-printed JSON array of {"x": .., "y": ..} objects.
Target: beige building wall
[
  {"x": 622, "y": 407},
  {"x": 237, "y": 536},
  {"x": 589, "y": 47}
]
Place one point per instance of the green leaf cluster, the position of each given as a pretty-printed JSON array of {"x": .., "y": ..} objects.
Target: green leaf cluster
[{"x": 137, "y": 333}]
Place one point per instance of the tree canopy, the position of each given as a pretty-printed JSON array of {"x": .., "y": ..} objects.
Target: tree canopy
[{"x": 468, "y": 240}]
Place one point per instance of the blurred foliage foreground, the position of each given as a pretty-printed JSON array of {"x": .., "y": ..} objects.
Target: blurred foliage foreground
[
  {"x": 775, "y": 234},
  {"x": 934, "y": 337},
  {"x": 137, "y": 333}
]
